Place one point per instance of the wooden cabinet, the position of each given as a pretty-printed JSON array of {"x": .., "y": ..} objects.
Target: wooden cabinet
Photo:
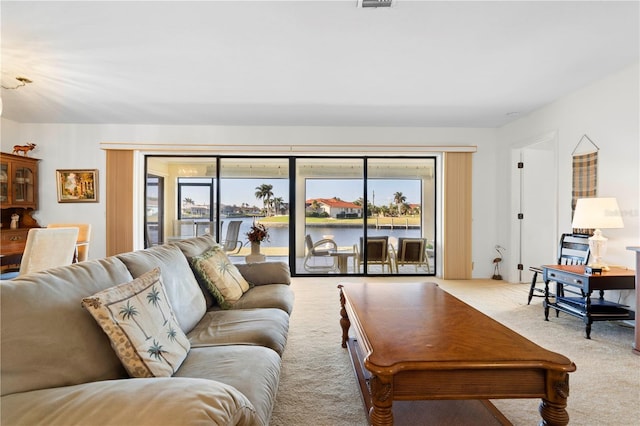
[
  {"x": 18, "y": 194},
  {"x": 18, "y": 181}
]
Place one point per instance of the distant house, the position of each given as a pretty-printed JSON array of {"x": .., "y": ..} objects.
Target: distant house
[{"x": 335, "y": 208}]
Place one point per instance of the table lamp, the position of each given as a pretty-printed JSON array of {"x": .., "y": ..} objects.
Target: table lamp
[{"x": 597, "y": 213}]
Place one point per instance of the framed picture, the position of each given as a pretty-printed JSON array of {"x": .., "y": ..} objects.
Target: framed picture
[{"x": 77, "y": 186}]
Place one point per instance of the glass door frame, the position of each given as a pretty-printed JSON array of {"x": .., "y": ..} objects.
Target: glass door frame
[{"x": 292, "y": 172}]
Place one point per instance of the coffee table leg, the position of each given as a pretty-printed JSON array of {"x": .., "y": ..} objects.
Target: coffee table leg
[
  {"x": 344, "y": 320},
  {"x": 381, "y": 413},
  {"x": 553, "y": 406}
]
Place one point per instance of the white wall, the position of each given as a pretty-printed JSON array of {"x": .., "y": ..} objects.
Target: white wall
[
  {"x": 608, "y": 112},
  {"x": 63, "y": 146}
]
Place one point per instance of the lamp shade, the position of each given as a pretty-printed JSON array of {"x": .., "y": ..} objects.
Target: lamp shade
[{"x": 600, "y": 213}]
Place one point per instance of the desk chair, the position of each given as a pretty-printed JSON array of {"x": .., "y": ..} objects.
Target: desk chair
[
  {"x": 572, "y": 250},
  {"x": 84, "y": 238},
  {"x": 317, "y": 258},
  {"x": 47, "y": 248}
]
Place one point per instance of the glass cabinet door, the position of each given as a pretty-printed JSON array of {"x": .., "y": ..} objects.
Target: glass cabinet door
[
  {"x": 4, "y": 182},
  {"x": 23, "y": 184}
]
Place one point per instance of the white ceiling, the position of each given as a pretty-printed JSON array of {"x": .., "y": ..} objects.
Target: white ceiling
[{"x": 419, "y": 63}]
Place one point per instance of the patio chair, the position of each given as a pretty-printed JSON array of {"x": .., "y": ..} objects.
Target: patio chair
[
  {"x": 183, "y": 228},
  {"x": 318, "y": 258},
  {"x": 379, "y": 252},
  {"x": 231, "y": 243},
  {"x": 412, "y": 251},
  {"x": 204, "y": 228}
]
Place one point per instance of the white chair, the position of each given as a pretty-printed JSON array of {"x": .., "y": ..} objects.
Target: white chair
[
  {"x": 231, "y": 242},
  {"x": 183, "y": 228},
  {"x": 48, "y": 248},
  {"x": 318, "y": 258},
  {"x": 204, "y": 228},
  {"x": 84, "y": 238}
]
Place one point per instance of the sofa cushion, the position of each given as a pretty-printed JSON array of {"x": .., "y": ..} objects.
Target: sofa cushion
[
  {"x": 183, "y": 290},
  {"x": 278, "y": 296},
  {"x": 141, "y": 325},
  {"x": 48, "y": 339},
  {"x": 252, "y": 370},
  {"x": 140, "y": 402},
  {"x": 220, "y": 276},
  {"x": 191, "y": 247},
  {"x": 261, "y": 327},
  {"x": 261, "y": 273}
]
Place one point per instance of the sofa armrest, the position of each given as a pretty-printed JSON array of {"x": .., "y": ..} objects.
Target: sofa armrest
[
  {"x": 141, "y": 402},
  {"x": 262, "y": 273}
]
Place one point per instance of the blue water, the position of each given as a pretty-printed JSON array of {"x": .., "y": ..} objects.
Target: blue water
[{"x": 343, "y": 236}]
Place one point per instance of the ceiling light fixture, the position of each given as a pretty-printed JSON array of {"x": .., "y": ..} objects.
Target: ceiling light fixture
[
  {"x": 23, "y": 82},
  {"x": 375, "y": 3}
]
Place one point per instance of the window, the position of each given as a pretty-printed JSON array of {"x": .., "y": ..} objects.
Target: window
[
  {"x": 369, "y": 215},
  {"x": 257, "y": 189},
  {"x": 154, "y": 201}
]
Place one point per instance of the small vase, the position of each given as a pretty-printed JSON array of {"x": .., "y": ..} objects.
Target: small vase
[{"x": 255, "y": 248}]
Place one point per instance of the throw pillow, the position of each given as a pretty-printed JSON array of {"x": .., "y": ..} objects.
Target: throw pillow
[
  {"x": 138, "y": 319},
  {"x": 220, "y": 276}
]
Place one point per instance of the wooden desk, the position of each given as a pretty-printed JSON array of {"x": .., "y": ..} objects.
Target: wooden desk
[
  {"x": 418, "y": 342},
  {"x": 584, "y": 306}
]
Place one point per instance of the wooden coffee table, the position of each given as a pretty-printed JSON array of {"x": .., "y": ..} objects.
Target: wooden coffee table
[{"x": 418, "y": 342}]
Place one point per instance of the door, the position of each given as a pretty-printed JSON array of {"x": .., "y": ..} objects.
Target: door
[
  {"x": 154, "y": 207},
  {"x": 537, "y": 202}
]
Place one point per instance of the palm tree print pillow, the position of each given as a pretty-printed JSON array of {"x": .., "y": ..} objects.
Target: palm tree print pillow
[
  {"x": 220, "y": 276},
  {"x": 138, "y": 319}
]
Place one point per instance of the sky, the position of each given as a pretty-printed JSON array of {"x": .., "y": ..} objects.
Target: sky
[{"x": 238, "y": 191}]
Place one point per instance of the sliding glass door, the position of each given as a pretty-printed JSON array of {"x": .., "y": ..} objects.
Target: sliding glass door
[
  {"x": 324, "y": 215},
  {"x": 401, "y": 211},
  {"x": 329, "y": 215},
  {"x": 254, "y": 191}
]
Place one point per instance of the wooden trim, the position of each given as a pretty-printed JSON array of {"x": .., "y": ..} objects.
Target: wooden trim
[
  {"x": 270, "y": 149},
  {"x": 119, "y": 190},
  {"x": 457, "y": 257}
]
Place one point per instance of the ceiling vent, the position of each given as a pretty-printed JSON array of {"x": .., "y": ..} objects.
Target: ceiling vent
[{"x": 375, "y": 3}]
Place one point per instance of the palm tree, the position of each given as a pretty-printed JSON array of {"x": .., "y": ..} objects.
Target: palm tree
[
  {"x": 264, "y": 192},
  {"x": 399, "y": 199},
  {"x": 315, "y": 206},
  {"x": 171, "y": 334},
  {"x": 158, "y": 352},
  {"x": 130, "y": 312},
  {"x": 277, "y": 202},
  {"x": 153, "y": 297},
  {"x": 188, "y": 202}
]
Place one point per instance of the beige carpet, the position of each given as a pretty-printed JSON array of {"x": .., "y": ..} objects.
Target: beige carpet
[{"x": 318, "y": 386}]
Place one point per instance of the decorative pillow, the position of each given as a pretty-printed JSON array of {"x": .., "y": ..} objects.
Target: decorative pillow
[
  {"x": 141, "y": 325},
  {"x": 220, "y": 276}
]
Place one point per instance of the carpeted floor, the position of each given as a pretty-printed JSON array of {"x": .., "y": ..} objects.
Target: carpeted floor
[{"x": 318, "y": 386}]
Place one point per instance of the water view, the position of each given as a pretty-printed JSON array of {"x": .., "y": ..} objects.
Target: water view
[{"x": 343, "y": 236}]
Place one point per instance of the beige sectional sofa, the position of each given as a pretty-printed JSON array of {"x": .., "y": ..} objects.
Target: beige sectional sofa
[{"x": 58, "y": 366}]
